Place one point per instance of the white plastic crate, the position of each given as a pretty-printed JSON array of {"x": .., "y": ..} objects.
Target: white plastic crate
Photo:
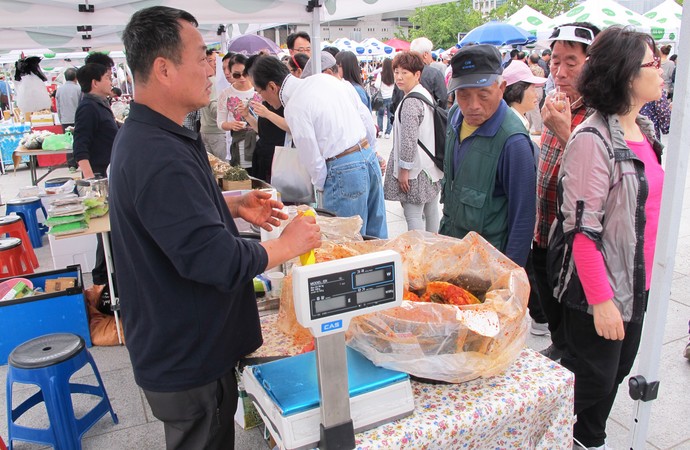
[{"x": 74, "y": 250}]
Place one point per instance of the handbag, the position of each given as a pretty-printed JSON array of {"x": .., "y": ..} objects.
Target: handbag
[
  {"x": 377, "y": 101},
  {"x": 290, "y": 177}
]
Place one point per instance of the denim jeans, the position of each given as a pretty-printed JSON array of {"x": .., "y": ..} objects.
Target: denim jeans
[
  {"x": 380, "y": 113},
  {"x": 353, "y": 187}
]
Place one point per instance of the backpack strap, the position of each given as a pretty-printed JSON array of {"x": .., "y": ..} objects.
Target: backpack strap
[
  {"x": 421, "y": 97},
  {"x": 601, "y": 136}
]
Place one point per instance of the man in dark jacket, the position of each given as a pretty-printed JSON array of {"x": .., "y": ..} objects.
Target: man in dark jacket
[
  {"x": 94, "y": 132},
  {"x": 94, "y": 123},
  {"x": 185, "y": 274}
]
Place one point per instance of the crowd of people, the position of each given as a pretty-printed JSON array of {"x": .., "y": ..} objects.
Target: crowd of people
[{"x": 535, "y": 145}]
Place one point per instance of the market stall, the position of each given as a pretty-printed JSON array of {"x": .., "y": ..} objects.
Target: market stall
[{"x": 527, "y": 406}]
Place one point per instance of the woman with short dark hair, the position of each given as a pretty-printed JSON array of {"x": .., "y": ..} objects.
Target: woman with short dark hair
[
  {"x": 609, "y": 188},
  {"x": 412, "y": 177}
]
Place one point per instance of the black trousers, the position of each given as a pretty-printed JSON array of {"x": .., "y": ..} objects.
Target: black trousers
[
  {"x": 199, "y": 418},
  {"x": 535, "y": 310},
  {"x": 550, "y": 306},
  {"x": 599, "y": 365}
]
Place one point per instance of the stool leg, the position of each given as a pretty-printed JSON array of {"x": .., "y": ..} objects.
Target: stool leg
[
  {"x": 59, "y": 407},
  {"x": 92, "y": 363}
]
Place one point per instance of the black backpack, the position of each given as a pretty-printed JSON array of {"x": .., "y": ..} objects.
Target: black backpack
[{"x": 440, "y": 122}]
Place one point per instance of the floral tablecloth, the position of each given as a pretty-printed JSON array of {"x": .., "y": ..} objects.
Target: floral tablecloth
[{"x": 529, "y": 406}]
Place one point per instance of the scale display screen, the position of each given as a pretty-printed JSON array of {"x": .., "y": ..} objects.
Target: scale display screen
[{"x": 350, "y": 290}]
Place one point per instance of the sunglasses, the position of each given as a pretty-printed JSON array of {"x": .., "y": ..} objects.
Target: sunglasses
[
  {"x": 656, "y": 63},
  {"x": 572, "y": 33},
  {"x": 238, "y": 75}
]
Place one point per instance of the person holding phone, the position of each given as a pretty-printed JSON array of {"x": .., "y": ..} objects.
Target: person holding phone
[{"x": 241, "y": 140}]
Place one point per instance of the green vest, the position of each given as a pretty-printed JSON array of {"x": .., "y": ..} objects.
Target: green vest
[{"x": 469, "y": 203}]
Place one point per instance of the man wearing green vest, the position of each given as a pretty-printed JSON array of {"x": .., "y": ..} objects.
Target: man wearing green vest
[{"x": 489, "y": 183}]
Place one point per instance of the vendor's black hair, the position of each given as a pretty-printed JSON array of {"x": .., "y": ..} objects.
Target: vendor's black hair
[
  {"x": 88, "y": 73},
  {"x": 99, "y": 58},
  {"x": 293, "y": 37},
  {"x": 151, "y": 33},
  {"x": 613, "y": 61},
  {"x": 515, "y": 92},
  {"x": 265, "y": 69}
]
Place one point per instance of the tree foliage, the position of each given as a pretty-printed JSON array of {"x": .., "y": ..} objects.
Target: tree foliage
[
  {"x": 550, "y": 8},
  {"x": 442, "y": 23}
]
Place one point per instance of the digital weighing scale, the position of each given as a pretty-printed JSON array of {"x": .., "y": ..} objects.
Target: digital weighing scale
[{"x": 322, "y": 398}]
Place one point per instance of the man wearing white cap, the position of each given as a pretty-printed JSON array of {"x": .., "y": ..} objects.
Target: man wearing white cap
[
  {"x": 489, "y": 169},
  {"x": 569, "y": 45}
]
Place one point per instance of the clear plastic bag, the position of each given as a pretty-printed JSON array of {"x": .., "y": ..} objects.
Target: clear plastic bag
[{"x": 437, "y": 341}]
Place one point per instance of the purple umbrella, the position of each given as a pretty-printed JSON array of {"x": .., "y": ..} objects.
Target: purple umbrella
[{"x": 250, "y": 44}]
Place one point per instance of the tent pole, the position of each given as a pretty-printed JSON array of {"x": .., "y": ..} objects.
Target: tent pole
[
  {"x": 316, "y": 35},
  {"x": 664, "y": 259}
]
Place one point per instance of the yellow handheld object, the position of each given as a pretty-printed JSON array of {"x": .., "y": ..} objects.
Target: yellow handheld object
[{"x": 307, "y": 258}]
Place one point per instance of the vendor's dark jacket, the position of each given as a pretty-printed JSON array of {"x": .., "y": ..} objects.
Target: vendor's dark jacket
[
  {"x": 94, "y": 132},
  {"x": 184, "y": 274},
  {"x": 489, "y": 183}
]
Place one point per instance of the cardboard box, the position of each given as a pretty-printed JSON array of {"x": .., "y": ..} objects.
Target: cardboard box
[
  {"x": 42, "y": 119},
  {"x": 60, "y": 284},
  {"x": 58, "y": 312}
]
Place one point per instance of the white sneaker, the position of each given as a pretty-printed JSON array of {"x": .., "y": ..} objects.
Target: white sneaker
[
  {"x": 539, "y": 329},
  {"x": 386, "y": 136}
]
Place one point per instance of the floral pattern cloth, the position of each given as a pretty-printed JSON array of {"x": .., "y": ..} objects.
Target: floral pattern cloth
[{"x": 530, "y": 405}]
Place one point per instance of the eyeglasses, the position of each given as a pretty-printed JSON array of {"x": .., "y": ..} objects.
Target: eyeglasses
[
  {"x": 302, "y": 49},
  {"x": 572, "y": 33},
  {"x": 656, "y": 63},
  {"x": 237, "y": 75}
]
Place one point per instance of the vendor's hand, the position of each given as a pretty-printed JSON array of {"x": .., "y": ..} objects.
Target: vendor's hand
[
  {"x": 557, "y": 121},
  {"x": 403, "y": 180},
  {"x": 257, "y": 208},
  {"x": 301, "y": 235},
  {"x": 608, "y": 321}
]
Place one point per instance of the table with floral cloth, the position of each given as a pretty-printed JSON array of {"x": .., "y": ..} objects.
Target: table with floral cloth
[{"x": 528, "y": 406}]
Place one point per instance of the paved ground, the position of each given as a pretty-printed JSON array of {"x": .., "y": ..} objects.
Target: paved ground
[{"x": 138, "y": 429}]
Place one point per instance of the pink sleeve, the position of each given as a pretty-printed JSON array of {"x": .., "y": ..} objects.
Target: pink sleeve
[{"x": 591, "y": 269}]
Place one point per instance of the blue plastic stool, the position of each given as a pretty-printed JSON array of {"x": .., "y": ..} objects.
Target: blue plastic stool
[
  {"x": 27, "y": 208},
  {"x": 48, "y": 362}
]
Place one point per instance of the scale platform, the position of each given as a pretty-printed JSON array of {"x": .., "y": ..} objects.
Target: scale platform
[{"x": 286, "y": 394}]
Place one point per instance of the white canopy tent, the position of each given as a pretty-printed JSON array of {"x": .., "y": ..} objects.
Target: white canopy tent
[
  {"x": 603, "y": 14},
  {"x": 529, "y": 19},
  {"x": 668, "y": 15},
  {"x": 46, "y": 13}
]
